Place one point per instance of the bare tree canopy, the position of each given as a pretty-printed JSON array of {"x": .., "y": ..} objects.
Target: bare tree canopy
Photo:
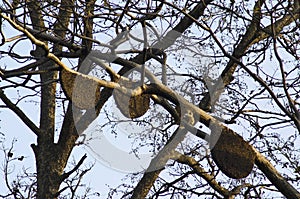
[{"x": 207, "y": 93}]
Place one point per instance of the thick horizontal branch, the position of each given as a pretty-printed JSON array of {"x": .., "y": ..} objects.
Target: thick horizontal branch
[{"x": 56, "y": 39}]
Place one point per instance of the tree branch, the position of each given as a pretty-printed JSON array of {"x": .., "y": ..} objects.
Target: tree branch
[
  {"x": 202, "y": 173},
  {"x": 275, "y": 177},
  {"x": 19, "y": 113},
  {"x": 67, "y": 174},
  {"x": 158, "y": 163}
]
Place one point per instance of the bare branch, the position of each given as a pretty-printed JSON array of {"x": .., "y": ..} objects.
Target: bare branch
[{"x": 20, "y": 113}]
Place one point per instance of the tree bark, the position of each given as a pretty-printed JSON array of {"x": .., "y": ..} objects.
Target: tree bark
[{"x": 50, "y": 162}]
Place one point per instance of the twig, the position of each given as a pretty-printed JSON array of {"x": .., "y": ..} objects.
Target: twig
[{"x": 67, "y": 174}]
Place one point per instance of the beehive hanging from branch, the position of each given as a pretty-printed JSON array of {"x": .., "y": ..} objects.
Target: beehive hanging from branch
[
  {"x": 131, "y": 106},
  {"x": 232, "y": 154},
  {"x": 82, "y": 90}
]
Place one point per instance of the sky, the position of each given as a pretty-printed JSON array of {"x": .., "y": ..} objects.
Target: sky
[
  {"x": 104, "y": 172},
  {"x": 14, "y": 129},
  {"x": 107, "y": 170}
]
